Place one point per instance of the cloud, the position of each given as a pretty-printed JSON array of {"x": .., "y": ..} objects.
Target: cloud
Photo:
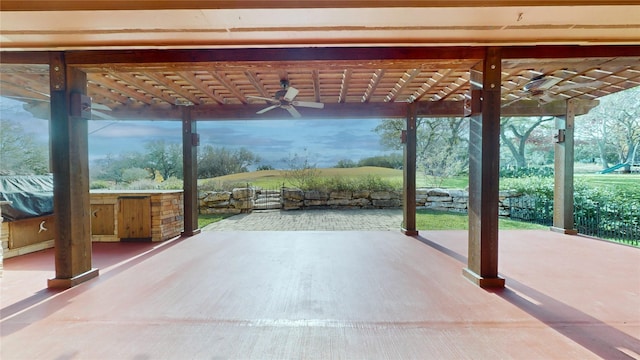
[{"x": 325, "y": 142}]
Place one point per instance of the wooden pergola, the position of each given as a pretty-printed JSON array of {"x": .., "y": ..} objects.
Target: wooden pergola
[{"x": 371, "y": 75}]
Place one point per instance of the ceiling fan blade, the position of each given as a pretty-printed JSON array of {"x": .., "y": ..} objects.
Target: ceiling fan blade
[
  {"x": 546, "y": 98},
  {"x": 292, "y": 111},
  {"x": 96, "y": 106},
  {"x": 309, "y": 104},
  {"x": 95, "y": 114},
  {"x": 541, "y": 83},
  {"x": 262, "y": 98},
  {"x": 513, "y": 102},
  {"x": 267, "y": 109},
  {"x": 291, "y": 93},
  {"x": 591, "y": 84}
]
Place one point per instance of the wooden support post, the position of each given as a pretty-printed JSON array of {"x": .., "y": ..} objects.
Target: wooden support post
[
  {"x": 484, "y": 161},
  {"x": 563, "y": 174},
  {"x": 70, "y": 166},
  {"x": 409, "y": 173},
  {"x": 190, "y": 142}
]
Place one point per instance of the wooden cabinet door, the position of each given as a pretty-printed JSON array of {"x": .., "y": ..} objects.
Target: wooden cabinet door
[
  {"x": 134, "y": 218},
  {"x": 102, "y": 219}
]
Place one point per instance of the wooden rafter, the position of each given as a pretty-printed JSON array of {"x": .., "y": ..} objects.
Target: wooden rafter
[
  {"x": 402, "y": 84},
  {"x": 120, "y": 86},
  {"x": 222, "y": 79},
  {"x": 106, "y": 93},
  {"x": 192, "y": 79},
  {"x": 132, "y": 81},
  {"x": 315, "y": 77},
  {"x": 438, "y": 78},
  {"x": 344, "y": 87},
  {"x": 167, "y": 83},
  {"x": 122, "y": 81},
  {"x": 253, "y": 80},
  {"x": 373, "y": 85}
]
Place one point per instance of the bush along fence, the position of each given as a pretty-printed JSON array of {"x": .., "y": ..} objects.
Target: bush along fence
[{"x": 614, "y": 221}]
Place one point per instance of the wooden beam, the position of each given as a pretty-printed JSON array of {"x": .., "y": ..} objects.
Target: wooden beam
[
  {"x": 484, "y": 161},
  {"x": 190, "y": 142},
  {"x": 343, "y": 111},
  {"x": 525, "y": 108},
  {"x": 563, "y": 211},
  {"x": 74, "y": 5},
  {"x": 70, "y": 165},
  {"x": 187, "y": 59},
  {"x": 409, "y": 172},
  {"x": 570, "y": 51},
  {"x": 23, "y": 57}
]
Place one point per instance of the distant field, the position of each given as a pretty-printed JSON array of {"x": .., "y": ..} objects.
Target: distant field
[
  {"x": 274, "y": 178},
  {"x": 629, "y": 183}
]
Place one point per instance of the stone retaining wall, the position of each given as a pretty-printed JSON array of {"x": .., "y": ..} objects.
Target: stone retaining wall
[{"x": 243, "y": 199}]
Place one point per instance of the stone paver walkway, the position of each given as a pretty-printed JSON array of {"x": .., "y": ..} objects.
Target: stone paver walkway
[{"x": 312, "y": 220}]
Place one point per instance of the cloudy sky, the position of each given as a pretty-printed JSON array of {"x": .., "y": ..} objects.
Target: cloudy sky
[{"x": 325, "y": 142}]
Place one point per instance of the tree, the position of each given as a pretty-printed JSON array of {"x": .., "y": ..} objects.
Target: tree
[
  {"x": 214, "y": 162},
  {"x": 164, "y": 159},
  {"x": 517, "y": 133},
  {"x": 441, "y": 148},
  {"x": 615, "y": 126},
  {"x": 391, "y": 161},
  {"x": 20, "y": 154},
  {"x": 302, "y": 173},
  {"x": 346, "y": 163},
  {"x": 112, "y": 167}
]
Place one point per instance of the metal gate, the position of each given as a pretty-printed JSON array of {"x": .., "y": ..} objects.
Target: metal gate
[{"x": 267, "y": 199}]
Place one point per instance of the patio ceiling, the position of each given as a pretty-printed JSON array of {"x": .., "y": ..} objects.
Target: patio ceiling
[
  {"x": 359, "y": 58},
  {"x": 348, "y": 88}
]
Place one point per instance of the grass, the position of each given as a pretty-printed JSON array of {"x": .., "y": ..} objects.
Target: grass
[
  {"x": 206, "y": 219},
  {"x": 425, "y": 220},
  {"x": 616, "y": 182},
  {"x": 275, "y": 178},
  {"x": 442, "y": 220}
]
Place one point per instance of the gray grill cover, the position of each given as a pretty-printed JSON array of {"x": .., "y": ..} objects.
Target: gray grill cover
[{"x": 30, "y": 196}]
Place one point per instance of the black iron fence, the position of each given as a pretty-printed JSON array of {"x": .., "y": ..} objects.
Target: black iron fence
[
  {"x": 268, "y": 198},
  {"x": 619, "y": 222}
]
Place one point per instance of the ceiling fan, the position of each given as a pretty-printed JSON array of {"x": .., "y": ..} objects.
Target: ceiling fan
[
  {"x": 40, "y": 108},
  {"x": 544, "y": 89},
  {"x": 284, "y": 99}
]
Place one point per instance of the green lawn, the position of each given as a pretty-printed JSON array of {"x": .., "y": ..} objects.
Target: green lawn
[
  {"x": 206, "y": 219},
  {"x": 275, "y": 178},
  {"x": 425, "y": 220},
  {"x": 442, "y": 220},
  {"x": 629, "y": 183}
]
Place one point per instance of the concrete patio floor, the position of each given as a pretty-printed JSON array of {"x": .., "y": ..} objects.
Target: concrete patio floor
[{"x": 328, "y": 295}]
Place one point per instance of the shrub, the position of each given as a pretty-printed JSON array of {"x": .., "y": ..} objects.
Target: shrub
[
  {"x": 100, "y": 184},
  {"x": 544, "y": 171},
  {"x": 144, "y": 184},
  {"x": 134, "y": 174},
  {"x": 172, "y": 183}
]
